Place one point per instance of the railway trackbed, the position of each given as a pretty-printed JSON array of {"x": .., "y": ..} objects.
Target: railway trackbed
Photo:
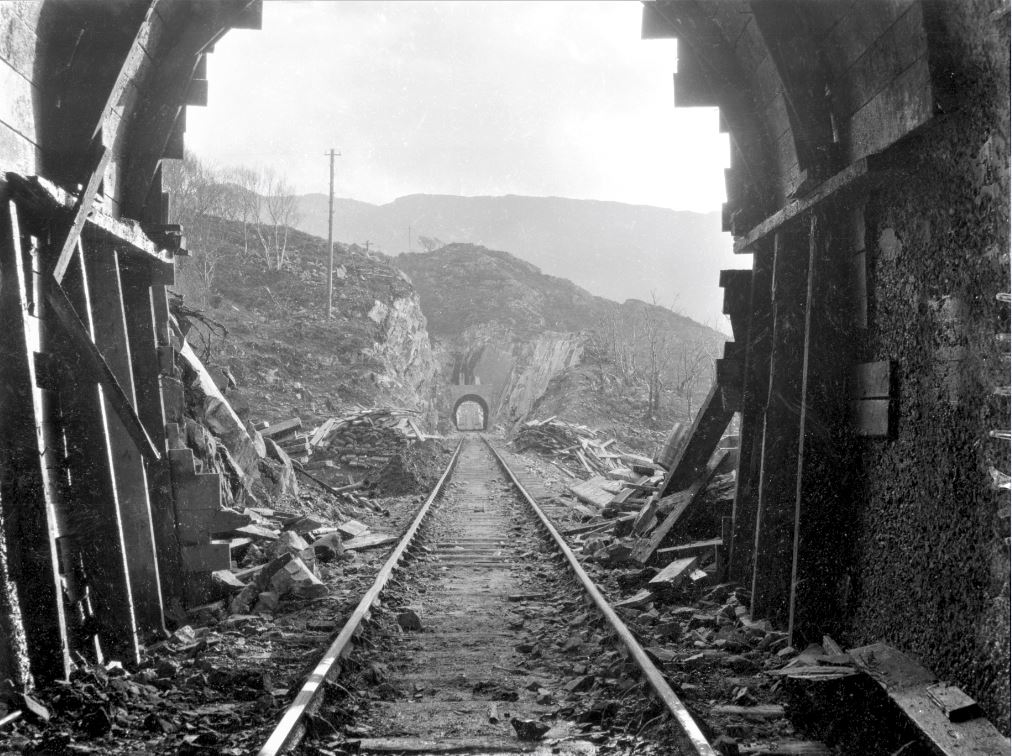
[{"x": 483, "y": 635}]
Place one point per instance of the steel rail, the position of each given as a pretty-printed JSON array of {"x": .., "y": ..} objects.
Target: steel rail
[
  {"x": 653, "y": 675},
  {"x": 291, "y": 727}
]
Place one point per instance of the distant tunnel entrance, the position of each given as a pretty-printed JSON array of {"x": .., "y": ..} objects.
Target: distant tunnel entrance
[{"x": 470, "y": 412}]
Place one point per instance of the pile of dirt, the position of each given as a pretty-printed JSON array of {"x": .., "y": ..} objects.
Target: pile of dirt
[{"x": 413, "y": 470}]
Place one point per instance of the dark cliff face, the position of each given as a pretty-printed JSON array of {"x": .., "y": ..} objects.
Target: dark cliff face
[{"x": 498, "y": 321}]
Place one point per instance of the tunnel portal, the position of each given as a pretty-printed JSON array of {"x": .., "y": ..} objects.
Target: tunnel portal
[{"x": 470, "y": 412}]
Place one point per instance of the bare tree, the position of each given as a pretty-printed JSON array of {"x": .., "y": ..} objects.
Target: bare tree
[
  {"x": 690, "y": 366},
  {"x": 200, "y": 195},
  {"x": 430, "y": 243},
  {"x": 246, "y": 185},
  {"x": 279, "y": 214}
]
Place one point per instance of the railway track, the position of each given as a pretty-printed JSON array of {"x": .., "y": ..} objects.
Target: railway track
[{"x": 482, "y": 634}]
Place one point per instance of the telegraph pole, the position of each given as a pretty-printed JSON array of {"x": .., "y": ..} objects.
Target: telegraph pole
[{"x": 330, "y": 237}]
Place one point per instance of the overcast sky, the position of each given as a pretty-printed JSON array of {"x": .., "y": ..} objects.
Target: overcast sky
[{"x": 471, "y": 98}]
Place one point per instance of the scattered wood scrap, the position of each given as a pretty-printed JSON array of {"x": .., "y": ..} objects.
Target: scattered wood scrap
[
  {"x": 645, "y": 550},
  {"x": 579, "y": 446}
]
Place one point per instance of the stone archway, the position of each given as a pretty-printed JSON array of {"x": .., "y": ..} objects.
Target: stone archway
[{"x": 476, "y": 399}]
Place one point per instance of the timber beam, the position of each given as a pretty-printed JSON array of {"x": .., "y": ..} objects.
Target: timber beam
[
  {"x": 755, "y": 388},
  {"x": 858, "y": 177},
  {"x": 700, "y": 442},
  {"x": 28, "y": 477},
  {"x": 136, "y": 56},
  {"x": 775, "y": 517}
]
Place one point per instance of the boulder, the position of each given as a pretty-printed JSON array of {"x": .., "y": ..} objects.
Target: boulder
[
  {"x": 267, "y": 601},
  {"x": 290, "y": 542},
  {"x": 409, "y": 620},
  {"x": 329, "y": 547},
  {"x": 296, "y": 579}
]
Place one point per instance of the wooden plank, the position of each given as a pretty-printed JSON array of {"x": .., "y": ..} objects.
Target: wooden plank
[
  {"x": 352, "y": 529},
  {"x": 694, "y": 548},
  {"x": 871, "y": 418},
  {"x": 644, "y": 550},
  {"x": 254, "y": 532},
  {"x": 86, "y": 199},
  {"x": 906, "y": 683},
  {"x": 674, "y": 573},
  {"x": 369, "y": 541},
  {"x": 285, "y": 426},
  {"x": 856, "y": 176},
  {"x": 757, "y": 357},
  {"x": 418, "y": 433},
  {"x": 47, "y": 205},
  {"x": 139, "y": 302},
  {"x": 737, "y": 285},
  {"x": 953, "y": 702},
  {"x": 102, "y": 264},
  {"x": 758, "y": 712},
  {"x": 822, "y": 496},
  {"x": 133, "y": 61},
  {"x": 411, "y": 744},
  {"x": 321, "y": 433},
  {"x": 95, "y": 527},
  {"x": 591, "y": 493},
  {"x": 776, "y": 516},
  {"x": 871, "y": 380},
  {"x": 96, "y": 369},
  {"x": 707, "y": 428},
  {"x": 27, "y": 493},
  {"x": 792, "y": 748}
]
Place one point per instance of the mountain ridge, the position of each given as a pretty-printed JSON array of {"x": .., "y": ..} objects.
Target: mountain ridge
[{"x": 612, "y": 249}]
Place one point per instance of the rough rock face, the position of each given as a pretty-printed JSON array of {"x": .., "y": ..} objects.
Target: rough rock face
[
  {"x": 537, "y": 362},
  {"x": 500, "y": 323},
  {"x": 403, "y": 351},
  {"x": 514, "y": 370},
  {"x": 289, "y": 356}
]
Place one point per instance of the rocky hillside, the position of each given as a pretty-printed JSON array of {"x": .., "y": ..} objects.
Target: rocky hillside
[
  {"x": 608, "y": 248},
  {"x": 286, "y": 355},
  {"x": 542, "y": 344},
  {"x": 405, "y": 329}
]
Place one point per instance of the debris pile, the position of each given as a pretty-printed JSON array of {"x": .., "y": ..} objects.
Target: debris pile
[
  {"x": 279, "y": 554},
  {"x": 365, "y": 440},
  {"x": 576, "y": 445},
  {"x": 414, "y": 469},
  {"x": 252, "y": 472},
  {"x": 629, "y": 510}
]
